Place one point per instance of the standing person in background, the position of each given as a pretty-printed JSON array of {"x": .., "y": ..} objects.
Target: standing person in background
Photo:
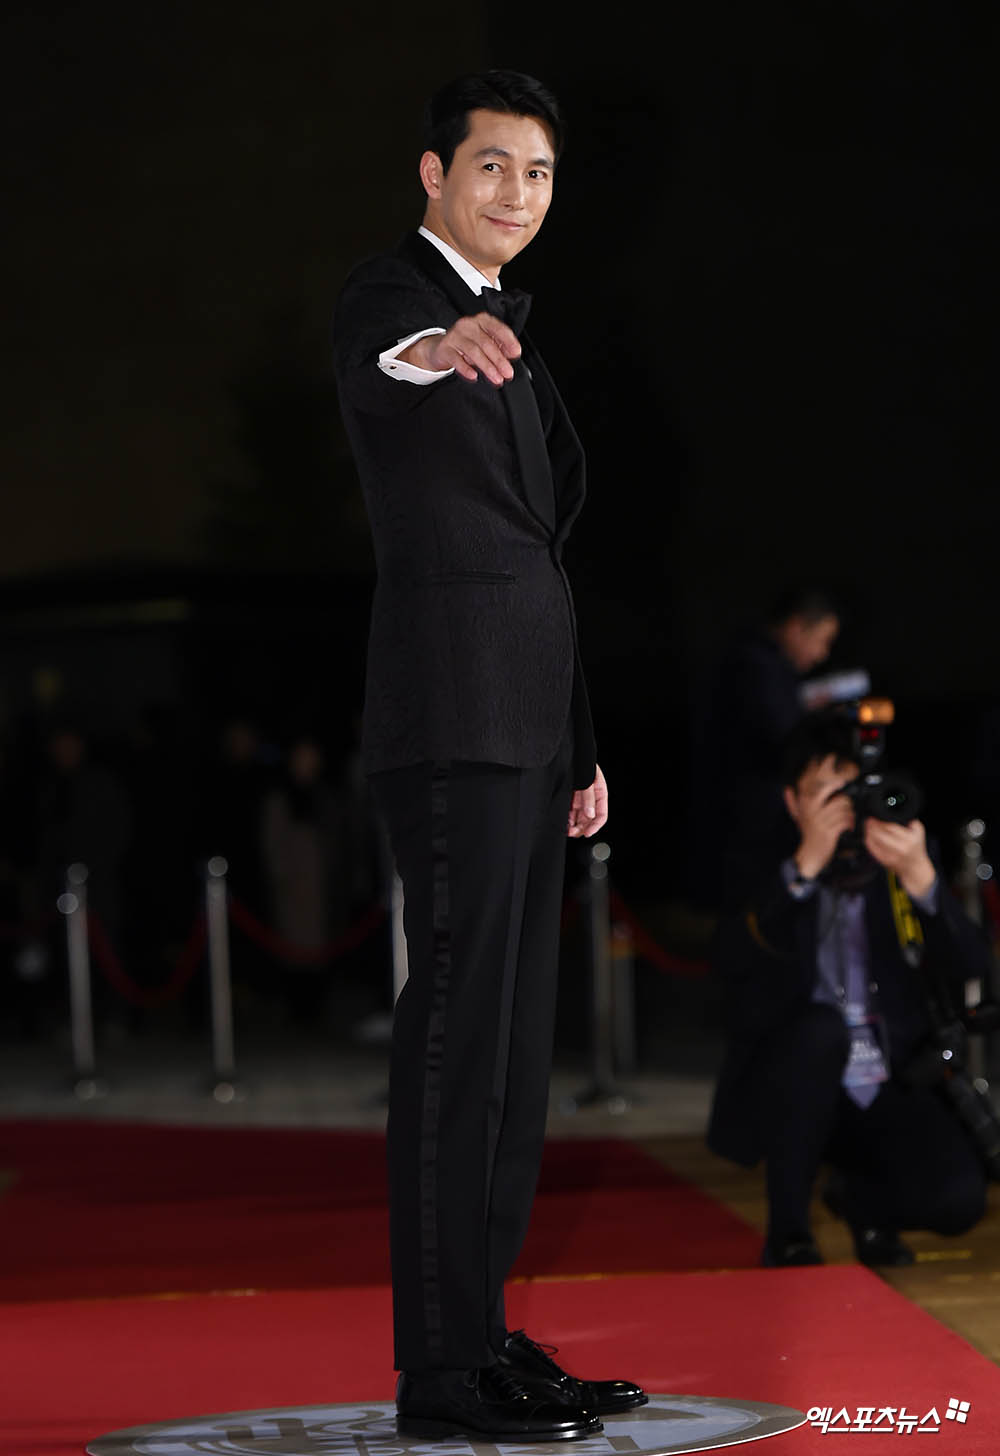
[
  {"x": 83, "y": 815},
  {"x": 478, "y": 738},
  {"x": 302, "y": 851},
  {"x": 743, "y": 723}
]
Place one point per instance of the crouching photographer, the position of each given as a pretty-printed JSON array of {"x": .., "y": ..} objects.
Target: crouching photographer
[{"x": 834, "y": 978}]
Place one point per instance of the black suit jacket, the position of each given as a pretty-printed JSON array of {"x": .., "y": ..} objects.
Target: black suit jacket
[
  {"x": 471, "y": 492},
  {"x": 767, "y": 961}
]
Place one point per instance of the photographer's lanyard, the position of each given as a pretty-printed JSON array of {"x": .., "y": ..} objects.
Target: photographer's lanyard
[{"x": 909, "y": 931}]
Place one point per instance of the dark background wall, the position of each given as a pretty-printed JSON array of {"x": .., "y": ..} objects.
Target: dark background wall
[{"x": 764, "y": 287}]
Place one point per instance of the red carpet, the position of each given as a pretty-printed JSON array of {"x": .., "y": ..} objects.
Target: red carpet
[
  {"x": 114, "y": 1209},
  {"x": 801, "y": 1337}
]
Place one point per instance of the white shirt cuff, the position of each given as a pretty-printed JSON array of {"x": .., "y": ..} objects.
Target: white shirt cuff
[{"x": 389, "y": 362}]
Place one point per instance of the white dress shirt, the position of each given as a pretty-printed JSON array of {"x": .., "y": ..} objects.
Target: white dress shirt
[{"x": 389, "y": 361}]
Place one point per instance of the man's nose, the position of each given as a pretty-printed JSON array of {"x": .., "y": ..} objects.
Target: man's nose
[{"x": 512, "y": 192}]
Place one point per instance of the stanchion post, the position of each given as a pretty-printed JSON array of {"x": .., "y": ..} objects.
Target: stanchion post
[
  {"x": 603, "y": 988},
  {"x": 400, "y": 963},
  {"x": 225, "y": 1087},
  {"x": 624, "y": 1000},
  {"x": 603, "y": 1032},
  {"x": 973, "y": 873},
  {"x": 72, "y": 904}
]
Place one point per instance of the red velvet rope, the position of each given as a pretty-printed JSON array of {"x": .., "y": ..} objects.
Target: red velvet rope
[
  {"x": 991, "y": 899},
  {"x": 642, "y": 942},
  {"x": 303, "y": 955},
  {"x": 187, "y": 963},
  {"x": 148, "y": 997},
  {"x": 646, "y": 947}
]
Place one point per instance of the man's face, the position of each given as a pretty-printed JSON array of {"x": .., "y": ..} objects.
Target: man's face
[
  {"x": 806, "y": 644},
  {"x": 822, "y": 778},
  {"x": 491, "y": 202}
]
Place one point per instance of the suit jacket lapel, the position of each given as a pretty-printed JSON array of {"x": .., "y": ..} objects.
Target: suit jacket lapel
[
  {"x": 439, "y": 270},
  {"x": 564, "y": 449},
  {"x": 518, "y": 394}
]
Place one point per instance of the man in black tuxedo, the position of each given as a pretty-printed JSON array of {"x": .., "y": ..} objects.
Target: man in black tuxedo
[
  {"x": 829, "y": 974},
  {"x": 478, "y": 738}
]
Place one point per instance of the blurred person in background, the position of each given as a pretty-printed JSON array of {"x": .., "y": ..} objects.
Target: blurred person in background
[
  {"x": 742, "y": 723},
  {"x": 82, "y": 816},
  {"x": 303, "y": 851},
  {"x": 161, "y": 887},
  {"x": 236, "y": 780}
]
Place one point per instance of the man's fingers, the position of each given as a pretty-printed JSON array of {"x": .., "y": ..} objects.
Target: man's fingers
[
  {"x": 497, "y": 344},
  {"x": 502, "y": 335},
  {"x": 841, "y": 812},
  {"x": 578, "y": 816},
  {"x": 481, "y": 345},
  {"x": 462, "y": 366},
  {"x": 891, "y": 837},
  {"x": 582, "y": 813},
  {"x": 589, "y": 809},
  {"x": 480, "y": 359}
]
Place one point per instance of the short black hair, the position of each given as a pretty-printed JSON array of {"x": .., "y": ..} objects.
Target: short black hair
[
  {"x": 811, "y": 603},
  {"x": 447, "y": 120},
  {"x": 816, "y": 736}
]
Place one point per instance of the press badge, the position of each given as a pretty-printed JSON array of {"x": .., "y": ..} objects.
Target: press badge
[{"x": 868, "y": 1058}]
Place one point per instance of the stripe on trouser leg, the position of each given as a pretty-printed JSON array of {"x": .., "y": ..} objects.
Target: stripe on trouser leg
[
  {"x": 498, "y": 1102},
  {"x": 433, "y": 1063}
]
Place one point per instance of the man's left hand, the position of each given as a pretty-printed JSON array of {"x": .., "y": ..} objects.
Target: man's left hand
[
  {"x": 902, "y": 848},
  {"x": 589, "y": 810}
]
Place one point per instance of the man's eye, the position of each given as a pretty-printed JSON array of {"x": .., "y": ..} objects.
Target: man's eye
[
  {"x": 536, "y": 175},
  {"x": 487, "y": 166}
]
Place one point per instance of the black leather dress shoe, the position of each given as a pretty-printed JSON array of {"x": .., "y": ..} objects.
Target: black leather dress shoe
[
  {"x": 795, "y": 1252},
  {"x": 486, "y": 1404},
  {"x": 534, "y": 1366},
  {"x": 881, "y": 1249}
]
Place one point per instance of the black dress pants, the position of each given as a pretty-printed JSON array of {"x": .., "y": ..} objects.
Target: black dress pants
[
  {"x": 480, "y": 849},
  {"x": 907, "y": 1161}
]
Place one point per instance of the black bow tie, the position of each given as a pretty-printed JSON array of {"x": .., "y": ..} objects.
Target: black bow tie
[{"x": 510, "y": 305}]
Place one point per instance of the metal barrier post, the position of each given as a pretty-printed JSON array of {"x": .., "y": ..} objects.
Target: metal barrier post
[
  {"x": 624, "y": 999},
  {"x": 72, "y": 904},
  {"x": 400, "y": 964},
  {"x": 225, "y": 1088},
  {"x": 603, "y": 1030},
  {"x": 973, "y": 873}
]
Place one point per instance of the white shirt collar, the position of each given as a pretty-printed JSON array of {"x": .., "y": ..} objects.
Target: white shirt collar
[{"x": 469, "y": 275}]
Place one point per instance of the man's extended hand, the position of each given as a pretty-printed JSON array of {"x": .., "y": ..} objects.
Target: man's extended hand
[
  {"x": 475, "y": 344},
  {"x": 589, "y": 810},
  {"x": 902, "y": 848}
]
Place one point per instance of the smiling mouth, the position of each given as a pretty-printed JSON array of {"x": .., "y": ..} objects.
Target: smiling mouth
[{"x": 505, "y": 223}]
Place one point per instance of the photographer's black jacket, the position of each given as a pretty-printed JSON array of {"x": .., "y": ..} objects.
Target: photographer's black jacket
[{"x": 767, "y": 958}]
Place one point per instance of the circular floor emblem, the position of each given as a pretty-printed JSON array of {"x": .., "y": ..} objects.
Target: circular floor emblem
[{"x": 668, "y": 1424}]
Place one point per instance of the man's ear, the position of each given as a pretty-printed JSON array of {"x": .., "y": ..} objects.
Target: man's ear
[
  {"x": 791, "y": 802},
  {"x": 431, "y": 174}
]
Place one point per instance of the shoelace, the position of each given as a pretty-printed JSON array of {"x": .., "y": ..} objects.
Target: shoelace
[
  {"x": 502, "y": 1385},
  {"x": 544, "y": 1353}
]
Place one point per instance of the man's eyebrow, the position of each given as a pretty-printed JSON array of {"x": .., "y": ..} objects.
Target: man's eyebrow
[{"x": 503, "y": 152}]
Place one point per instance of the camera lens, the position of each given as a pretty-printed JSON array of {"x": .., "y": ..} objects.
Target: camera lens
[{"x": 897, "y": 800}]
